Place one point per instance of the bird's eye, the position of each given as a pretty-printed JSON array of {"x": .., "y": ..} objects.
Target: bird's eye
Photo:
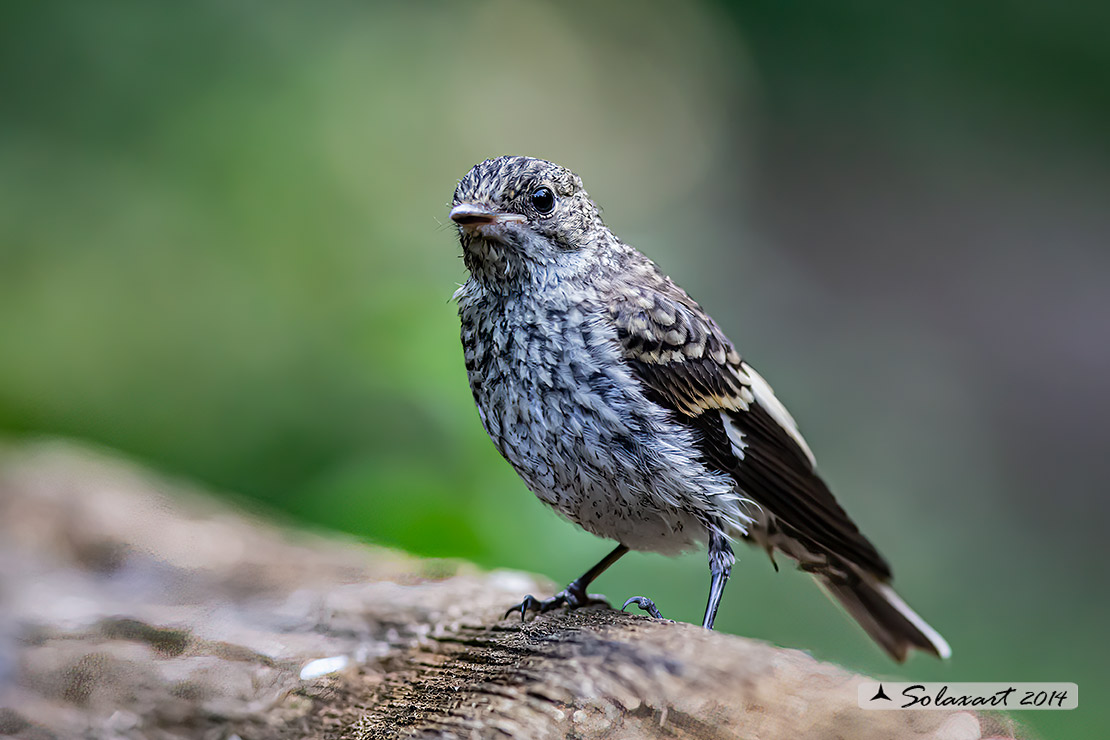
[{"x": 543, "y": 200}]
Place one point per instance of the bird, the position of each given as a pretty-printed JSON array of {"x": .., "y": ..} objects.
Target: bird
[{"x": 624, "y": 407}]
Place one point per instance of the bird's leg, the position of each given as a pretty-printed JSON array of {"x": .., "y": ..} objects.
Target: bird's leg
[
  {"x": 574, "y": 595},
  {"x": 720, "y": 566}
]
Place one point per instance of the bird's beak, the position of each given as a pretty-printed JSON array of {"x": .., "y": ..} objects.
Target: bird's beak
[{"x": 473, "y": 215}]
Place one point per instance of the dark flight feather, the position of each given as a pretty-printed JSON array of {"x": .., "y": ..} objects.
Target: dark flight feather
[{"x": 698, "y": 375}]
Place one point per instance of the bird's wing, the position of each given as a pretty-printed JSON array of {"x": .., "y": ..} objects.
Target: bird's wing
[{"x": 688, "y": 365}]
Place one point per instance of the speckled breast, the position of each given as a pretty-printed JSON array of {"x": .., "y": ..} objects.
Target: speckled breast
[{"x": 560, "y": 405}]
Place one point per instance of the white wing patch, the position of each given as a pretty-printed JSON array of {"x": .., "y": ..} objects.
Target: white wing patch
[
  {"x": 735, "y": 436},
  {"x": 765, "y": 397}
]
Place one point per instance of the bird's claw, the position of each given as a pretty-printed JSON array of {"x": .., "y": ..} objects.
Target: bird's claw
[
  {"x": 644, "y": 603},
  {"x": 530, "y": 604},
  {"x": 570, "y": 597}
]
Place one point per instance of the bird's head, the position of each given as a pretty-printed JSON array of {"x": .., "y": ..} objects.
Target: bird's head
[{"x": 520, "y": 218}]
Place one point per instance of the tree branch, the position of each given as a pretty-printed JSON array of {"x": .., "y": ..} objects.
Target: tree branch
[{"x": 135, "y": 608}]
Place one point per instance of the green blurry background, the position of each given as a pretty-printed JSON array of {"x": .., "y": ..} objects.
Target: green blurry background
[{"x": 224, "y": 251}]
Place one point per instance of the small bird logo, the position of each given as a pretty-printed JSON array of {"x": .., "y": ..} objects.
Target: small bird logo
[
  {"x": 623, "y": 405},
  {"x": 880, "y": 694}
]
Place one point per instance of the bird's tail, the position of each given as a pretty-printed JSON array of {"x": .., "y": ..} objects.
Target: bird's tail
[{"x": 883, "y": 614}]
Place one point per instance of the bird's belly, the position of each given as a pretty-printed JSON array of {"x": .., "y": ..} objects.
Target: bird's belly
[{"x": 579, "y": 431}]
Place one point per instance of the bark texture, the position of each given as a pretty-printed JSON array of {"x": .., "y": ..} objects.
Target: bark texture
[{"x": 131, "y": 607}]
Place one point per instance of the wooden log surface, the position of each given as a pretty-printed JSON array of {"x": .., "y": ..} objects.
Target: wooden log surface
[{"x": 133, "y": 607}]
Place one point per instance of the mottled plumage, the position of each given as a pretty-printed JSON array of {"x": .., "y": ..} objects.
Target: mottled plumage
[{"x": 623, "y": 405}]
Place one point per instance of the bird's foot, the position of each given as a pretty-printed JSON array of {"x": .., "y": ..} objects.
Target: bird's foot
[
  {"x": 644, "y": 603},
  {"x": 572, "y": 597}
]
